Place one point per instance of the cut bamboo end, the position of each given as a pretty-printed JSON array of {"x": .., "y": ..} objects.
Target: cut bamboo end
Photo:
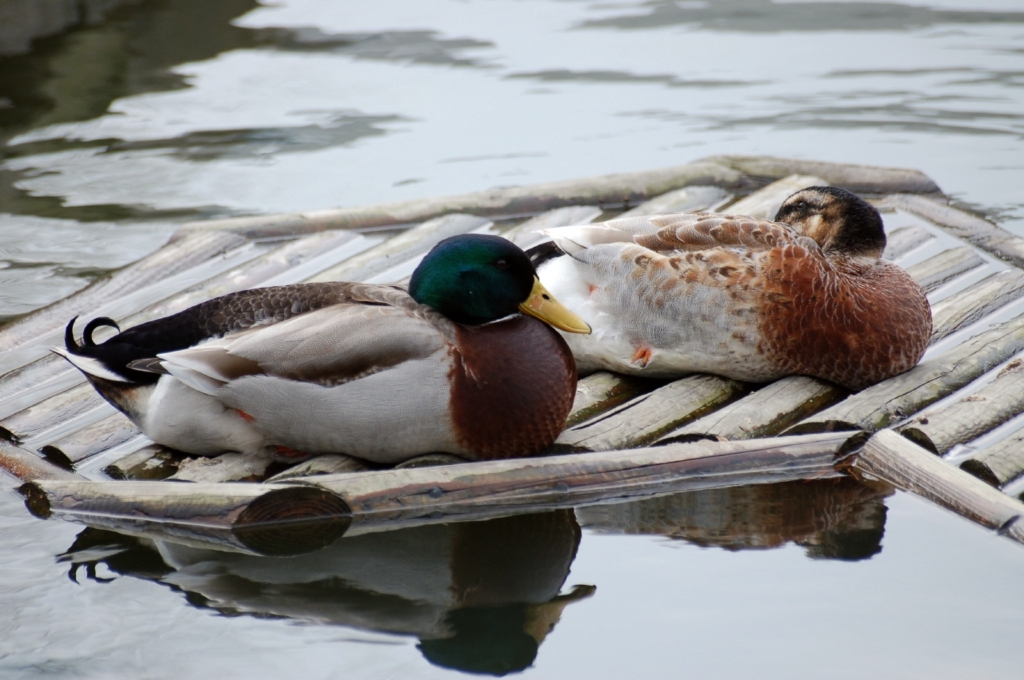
[
  {"x": 292, "y": 521},
  {"x": 892, "y": 458},
  {"x": 999, "y": 464},
  {"x": 940, "y": 429}
]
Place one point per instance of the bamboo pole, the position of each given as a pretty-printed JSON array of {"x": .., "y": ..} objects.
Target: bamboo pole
[
  {"x": 178, "y": 255},
  {"x": 860, "y": 179},
  {"x": 643, "y": 419},
  {"x": 984, "y": 234},
  {"x": 891, "y": 401},
  {"x": 131, "y": 301},
  {"x": 525, "y": 233},
  {"x": 602, "y": 391},
  {"x": 1000, "y": 463},
  {"x": 695, "y": 198},
  {"x": 765, "y": 202},
  {"x": 763, "y": 413},
  {"x": 981, "y": 299},
  {"x": 330, "y": 464},
  {"x": 940, "y": 428},
  {"x": 227, "y": 467},
  {"x": 607, "y": 191},
  {"x": 148, "y": 463},
  {"x": 102, "y": 435},
  {"x": 78, "y": 407},
  {"x": 25, "y": 465},
  {"x": 264, "y": 517},
  {"x": 901, "y": 241},
  {"x": 897, "y": 460},
  {"x": 944, "y": 267},
  {"x": 400, "y": 248}
]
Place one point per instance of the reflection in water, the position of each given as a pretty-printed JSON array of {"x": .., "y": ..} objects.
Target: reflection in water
[
  {"x": 839, "y": 518},
  {"x": 767, "y": 16},
  {"x": 480, "y": 596}
]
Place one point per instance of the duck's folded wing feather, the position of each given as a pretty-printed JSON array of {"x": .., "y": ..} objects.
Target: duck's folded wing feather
[
  {"x": 699, "y": 231},
  {"x": 330, "y": 346}
]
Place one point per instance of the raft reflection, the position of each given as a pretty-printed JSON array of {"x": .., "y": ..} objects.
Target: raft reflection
[
  {"x": 838, "y": 518},
  {"x": 480, "y": 596}
]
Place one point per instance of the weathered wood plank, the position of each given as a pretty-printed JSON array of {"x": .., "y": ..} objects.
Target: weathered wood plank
[
  {"x": 860, "y": 179},
  {"x": 1000, "y": 463},
  {"x": 79, "y": 406},
  {"x": 944, "y": 267},
  {"x": 131, "y": 301},
  {"x": 607, "y": 191},
  {"x": 400, "y": 248},
  {"x": 602, "y": 391},
  {"x": 891, "y": 401},
  {"x": 963, "y": 309},
  {"x": 525, "y": 233},
  {"x": 984, "y": 234},
  {"x": 111, "y": 431},
  {"x": 901, "y": 241},
  {"x": 940, "y": 428},
  {"x": 35, "y": 382},
  {"x": 227, "y": 467},
  {"x": 764, "y": 203},
  {"x": 276, "y": 517},
  {"x": 688, "y": 199},
  {"x": 330, "y": 464},
  {"x": 763, "y": 413},
  {"x": 643, "y": 419},
  {"x": 27, "y": 466},
  {"x": 151, "y": 462},
  {"x": 897, "y": 460},
  {"x": 180, "y": 254}
]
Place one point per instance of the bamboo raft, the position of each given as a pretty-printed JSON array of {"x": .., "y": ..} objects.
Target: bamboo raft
[{"x": 950, "y": 430}]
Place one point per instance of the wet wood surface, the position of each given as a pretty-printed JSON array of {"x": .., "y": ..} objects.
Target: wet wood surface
[
  {"x": 1000, "y": 463},
  {"x": 897, "y": 460},
  {"x": 889, "y": 402},
  {"x": 942, "y": 427},
  {"x": 985, "y": 235}
]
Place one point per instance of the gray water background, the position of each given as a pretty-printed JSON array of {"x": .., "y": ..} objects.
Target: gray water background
[{"x": 138, "y": 116}]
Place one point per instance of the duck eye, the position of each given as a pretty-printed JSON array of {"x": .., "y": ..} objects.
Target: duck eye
[{"x": 501, "y": 263}]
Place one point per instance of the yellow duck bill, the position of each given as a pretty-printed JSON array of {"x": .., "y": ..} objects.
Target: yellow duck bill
[{"x": 542, "y": 305}]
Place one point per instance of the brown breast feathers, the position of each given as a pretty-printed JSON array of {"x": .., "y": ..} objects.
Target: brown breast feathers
[
  {"x": 851, "y": 324},
  {"x": 512, "y": 386}
]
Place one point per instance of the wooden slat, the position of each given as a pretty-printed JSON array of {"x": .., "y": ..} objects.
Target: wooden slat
[
  {"x": 79, "y": 406},
  {"x": 984, "y": 234},
  {"x": 112, "y": 431},
  {"x": 330, "y": 464},
  {"x": 602, "y": 391},
  {"x": 940, "y": 428},
  {"x": 607, "y": 191},
  {"x": 148, "y": 463},
  {"x": 765, "y": 202},
  {"x": 179, "y": 255},
  {"x": 860, "y": 179},
  {"x": 891, "y": 401},
  {"x": 1000, "y": 463},
  {"x": 981, "y": 299},
  {"x": 688, "y": 199},
  {"x": 900, "y": 462},
  {"x": 400, "y": 248},
  {"x": 131, "y": 301},
  {"x": 26, "y": 466},
  {"x": 227, "y": 467},
  {"x": 525, "y": 233},
  {"x": 944, "y": 267},
  {"x": 643, "y": 419},
  {"x": 901, "y": 241},
  {"x": 763, "y": 413}
]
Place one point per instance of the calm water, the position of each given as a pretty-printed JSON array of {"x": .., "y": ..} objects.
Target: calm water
[{"x": 149, "y": 113}]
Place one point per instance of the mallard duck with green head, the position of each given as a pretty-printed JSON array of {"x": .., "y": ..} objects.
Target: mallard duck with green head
[{"x": 464, "y": 361}]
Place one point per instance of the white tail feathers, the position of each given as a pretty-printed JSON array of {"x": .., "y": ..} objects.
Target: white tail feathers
[{"x": 90, "y": 366}]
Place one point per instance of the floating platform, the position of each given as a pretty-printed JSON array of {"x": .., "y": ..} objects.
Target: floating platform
[{"x": 950, "y": 429}]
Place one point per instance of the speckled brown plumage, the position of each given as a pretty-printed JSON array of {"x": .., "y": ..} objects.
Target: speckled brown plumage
[
  {"x": 743, "y": 297},
  {"x": 513, "y": 384},
  {"x": 849, "y": 323}
]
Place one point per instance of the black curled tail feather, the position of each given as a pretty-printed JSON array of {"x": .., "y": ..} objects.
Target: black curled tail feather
[
  {"x": 114, "y": 354},
  {"x": 91, "y": 327},
  {"x": 541, "y": 253}
]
